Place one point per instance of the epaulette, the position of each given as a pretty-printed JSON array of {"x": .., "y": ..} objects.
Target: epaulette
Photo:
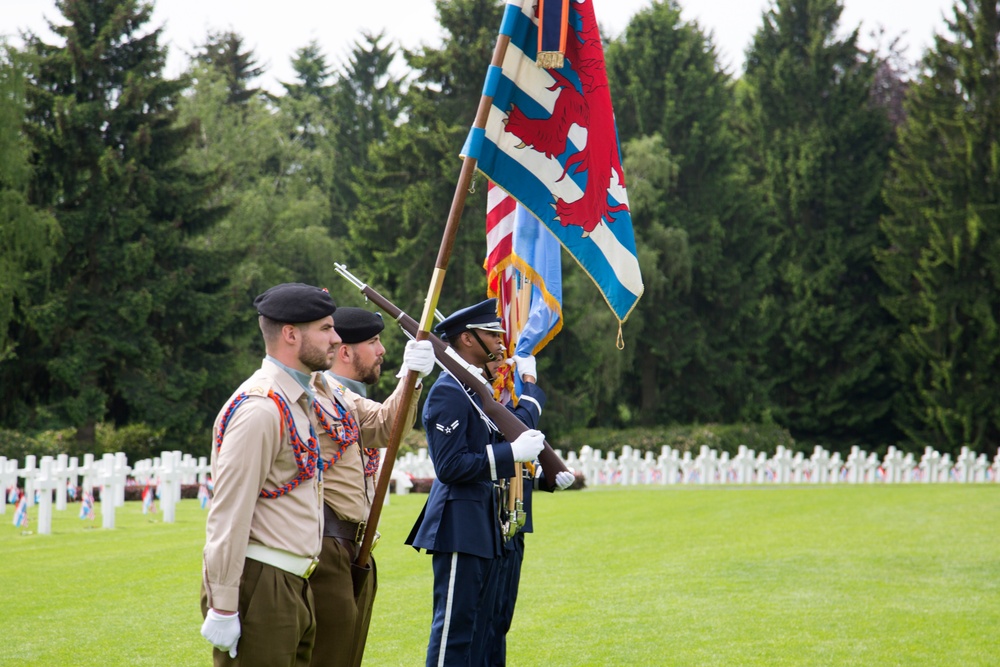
[{"x": 257, "y": 385}]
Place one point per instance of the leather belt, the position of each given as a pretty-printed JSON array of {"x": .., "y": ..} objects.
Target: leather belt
[
  {"x": 300, "y": 566},
  {"x": 334, "y": 526}
]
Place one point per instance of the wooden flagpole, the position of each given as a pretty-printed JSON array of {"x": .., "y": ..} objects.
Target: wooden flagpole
[{"x": 427, "y": 319}]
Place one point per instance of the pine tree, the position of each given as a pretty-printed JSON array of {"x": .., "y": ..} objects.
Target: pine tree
[
  {"x": 223, "y": 51},
  {"x": 27, "y": 235},
  {"x": 942, "y": 259},
  {"x": 818, "y": 152},
  {"x": 695, "y": 328},
  {"x": 397, "y": 228},
  {"x": 130, "y": 326},
  {"x": 366, "y": 101}
]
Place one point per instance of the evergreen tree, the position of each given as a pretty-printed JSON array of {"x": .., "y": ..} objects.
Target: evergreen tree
[
  {"x": 942, "y": 259},
  {"x": 224, "y": 52},
  {"x": 312, "y": 72},
  {"x": 696, "y": 330},
  {"x": 366, "y": 104},
  {"x": 273, "y": 189},
  {"x": 397, "y": 228},
  {"x": 818, "y": 150},
  {"x": 128, "y": 327},
  {"x": 27, "y": 235}
]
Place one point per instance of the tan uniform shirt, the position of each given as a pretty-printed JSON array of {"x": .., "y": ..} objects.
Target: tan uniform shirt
[
  {"x": 345, "y": 488},
  {"x": 256, "y": 454}
]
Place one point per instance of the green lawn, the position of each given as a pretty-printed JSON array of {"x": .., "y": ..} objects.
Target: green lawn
[{"x": 804, "y": 575}]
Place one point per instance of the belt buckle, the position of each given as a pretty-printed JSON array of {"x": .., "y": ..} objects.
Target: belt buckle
[
  {"x": 359, "y": 534},
  {"x": 311, "y": 568}
]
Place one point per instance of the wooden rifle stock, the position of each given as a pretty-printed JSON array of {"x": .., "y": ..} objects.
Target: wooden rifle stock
[{"x": 506, "y": 421}]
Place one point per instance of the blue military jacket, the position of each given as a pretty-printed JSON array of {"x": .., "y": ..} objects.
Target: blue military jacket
[{"x": 469, "y": 455}]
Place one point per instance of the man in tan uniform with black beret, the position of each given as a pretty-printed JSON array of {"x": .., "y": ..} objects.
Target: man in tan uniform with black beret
[
  {"x": 264, "y": 529},
  {"x": 355, "y": 427}
]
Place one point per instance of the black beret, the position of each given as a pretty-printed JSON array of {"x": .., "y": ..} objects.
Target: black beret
[
  {"x": 483, "y": 316},
  {"x": 356, "y": 325},
  {"x": 294, "y": 303}
]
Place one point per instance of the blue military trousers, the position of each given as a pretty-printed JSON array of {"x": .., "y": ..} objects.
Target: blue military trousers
[{"x": 465, "y": 589}]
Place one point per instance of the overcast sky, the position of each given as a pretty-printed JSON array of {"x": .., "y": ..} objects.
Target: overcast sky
[{"x": 275, "y": 30}]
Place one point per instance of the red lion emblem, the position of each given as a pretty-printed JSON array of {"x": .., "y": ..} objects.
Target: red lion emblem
[{"x": 590, "y": 109}]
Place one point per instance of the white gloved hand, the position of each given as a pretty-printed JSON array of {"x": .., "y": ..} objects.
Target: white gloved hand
[
  {"x": 222, "y": 631},
  {"x": 524, "y": 365},
  {"x": 565, "y": 479},
  {"x": 526, "y": 446},
  {"x": 418, "y": 356}
]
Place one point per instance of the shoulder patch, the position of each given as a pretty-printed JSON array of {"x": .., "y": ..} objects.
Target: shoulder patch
[
  {"x": 257, "y": 390},
  {"x": 447, "y": 429}
]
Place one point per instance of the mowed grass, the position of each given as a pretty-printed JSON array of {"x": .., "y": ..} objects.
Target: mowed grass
[{"x": 834, "y": 575}]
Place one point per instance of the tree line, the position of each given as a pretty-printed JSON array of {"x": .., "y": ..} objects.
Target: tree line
[{"x": 819, "y": 236}]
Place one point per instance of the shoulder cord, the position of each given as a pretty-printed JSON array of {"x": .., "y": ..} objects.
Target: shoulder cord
[
  {"x": 489, "y": 422},
  {"x": 306, "y": 454},
  {"x": 349, "y": 436}
]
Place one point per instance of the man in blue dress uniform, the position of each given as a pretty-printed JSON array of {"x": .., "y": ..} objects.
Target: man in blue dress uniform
[
  {"x": 510, "y": 563},
  {"x": 459, "y": 525}
]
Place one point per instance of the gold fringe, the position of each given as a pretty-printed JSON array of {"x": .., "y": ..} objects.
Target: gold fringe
[{"x": 550, "y": 59}]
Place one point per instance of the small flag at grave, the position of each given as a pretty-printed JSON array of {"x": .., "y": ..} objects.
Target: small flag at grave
[
  {"x": 13, "y": 494},
  {"x": 71, "y": 490},
  {"x": 203, "y": 496},
  {"x": 87, "y": 506},
  {"x": 21, "y": 514},
  {"x": 148, "y": 505}
]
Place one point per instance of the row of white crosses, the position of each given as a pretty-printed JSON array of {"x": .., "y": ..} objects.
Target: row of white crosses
[
  {"x": 750, "y": 467},
  {"x": 54, "y": 476}
]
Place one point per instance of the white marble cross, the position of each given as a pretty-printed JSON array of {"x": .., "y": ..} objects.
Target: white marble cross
[
  {"x": 8, "y": 479},
  {"x": 782, "y": 465},
  {"x": 29, "y": 472},
  {"x": 855, "y": 464},
  {"x": 170, "y": 483},
  {"x": 112, "y": 479},
  {"x": 45, "y": 483},
  {"x": 744, "y": 464},
  {"x": 929, "y": 465}
]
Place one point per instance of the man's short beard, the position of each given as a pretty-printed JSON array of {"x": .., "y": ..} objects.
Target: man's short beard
[
  {"x": 367, "y": 375},
  {"x": 314, "y": 359}
]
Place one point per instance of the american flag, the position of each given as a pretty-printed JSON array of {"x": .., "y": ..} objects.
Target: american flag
[
  {"x": 21, "y": 513},
  {"x": 87, "y": 506},
  {"x": 524, "y": 273},
  {"x": 203, "y": 496},
  {"x": 148, "y": 506}
]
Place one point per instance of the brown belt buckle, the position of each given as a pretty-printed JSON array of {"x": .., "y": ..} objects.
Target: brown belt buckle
[{"x": 360, "y": 533}]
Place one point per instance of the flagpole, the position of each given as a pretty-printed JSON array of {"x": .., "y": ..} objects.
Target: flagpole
[{"x": 427, "y": 318}]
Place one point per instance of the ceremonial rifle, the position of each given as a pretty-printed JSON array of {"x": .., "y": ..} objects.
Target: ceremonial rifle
[{"x": 508, "y": 423}]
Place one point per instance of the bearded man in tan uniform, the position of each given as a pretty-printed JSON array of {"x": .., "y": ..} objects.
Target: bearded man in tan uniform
[
  {"x": 264, "y": 529},
  {"x": 354, "y": 428}
]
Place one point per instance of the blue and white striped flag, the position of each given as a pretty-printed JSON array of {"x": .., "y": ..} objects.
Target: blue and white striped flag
[{"x": 550, "y": 141}]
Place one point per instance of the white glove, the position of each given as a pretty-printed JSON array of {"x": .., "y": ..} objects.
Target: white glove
[
  {"x": 526, "y": 446},
  {"x": 565, "y": 479},
  {"x": 524, "y": 365},
  {"x": 418, "y": 356},
  {"x": 222, "y": 631}
]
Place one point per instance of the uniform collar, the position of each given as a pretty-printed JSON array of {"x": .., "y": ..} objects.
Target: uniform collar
[
  {"x": 301, "y": 383},
  {"x": 358, "y": 387}
]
